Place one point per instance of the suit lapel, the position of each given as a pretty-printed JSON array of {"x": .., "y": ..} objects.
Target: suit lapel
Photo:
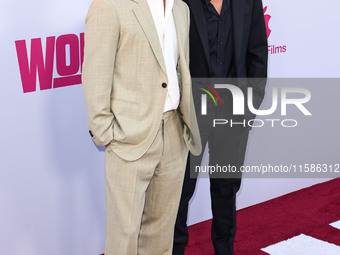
[
  {"x": 179, "y": 32},
  {"x": 144, "y": 17},
  {"x": 237, "y": 16},
  {"x": 196, "y": 8}
]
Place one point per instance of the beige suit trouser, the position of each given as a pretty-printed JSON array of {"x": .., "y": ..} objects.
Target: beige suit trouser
[{"x": 142, "y": 196}]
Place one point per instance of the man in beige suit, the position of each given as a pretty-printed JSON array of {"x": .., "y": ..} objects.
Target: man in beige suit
[{"x": 137, "y": 91}]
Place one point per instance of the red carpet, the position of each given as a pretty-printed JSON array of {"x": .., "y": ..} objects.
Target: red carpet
[{"x": 308, "y": 211}]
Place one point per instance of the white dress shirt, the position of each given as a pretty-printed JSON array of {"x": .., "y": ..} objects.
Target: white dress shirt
[{"x": 167, "y": 35}]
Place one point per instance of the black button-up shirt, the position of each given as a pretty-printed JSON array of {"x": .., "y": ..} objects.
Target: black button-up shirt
[{"x": 220, "y": 39}]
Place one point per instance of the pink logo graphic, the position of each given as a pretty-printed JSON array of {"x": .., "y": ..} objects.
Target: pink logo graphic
[
  {"x": 272, "y": 48},
  {"x": 267, "y": 17},
  {"x": 67, "y": 51}
]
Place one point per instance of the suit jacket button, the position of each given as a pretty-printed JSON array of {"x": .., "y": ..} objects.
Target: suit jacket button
[{"x": 164, "y": 85}]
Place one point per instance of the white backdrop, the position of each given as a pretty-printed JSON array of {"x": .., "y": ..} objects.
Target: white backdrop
[{"x": 51, "y": 177}]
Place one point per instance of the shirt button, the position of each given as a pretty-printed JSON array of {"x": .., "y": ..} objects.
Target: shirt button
[
  {"x": 221, "y": 63},
  {"x": 221, "y": 42},
  {"x": 164, "y": 85}
]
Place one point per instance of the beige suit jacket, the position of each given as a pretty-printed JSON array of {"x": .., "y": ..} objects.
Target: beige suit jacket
[{"x": 124, "y": 76}]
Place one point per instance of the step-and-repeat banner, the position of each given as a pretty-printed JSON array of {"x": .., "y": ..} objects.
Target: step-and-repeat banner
[{"x": 51, "y": 173}]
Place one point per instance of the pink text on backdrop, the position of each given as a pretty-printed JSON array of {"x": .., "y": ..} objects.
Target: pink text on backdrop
[{"x": 43, "y": 66}]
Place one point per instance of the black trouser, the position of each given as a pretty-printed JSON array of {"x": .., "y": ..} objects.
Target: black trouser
[{"x": 226, "y": 146}]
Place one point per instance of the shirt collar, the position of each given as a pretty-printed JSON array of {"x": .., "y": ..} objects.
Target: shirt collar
[
  {"x": 159, "y": 3},
  {"x": 206, "y": 2}
]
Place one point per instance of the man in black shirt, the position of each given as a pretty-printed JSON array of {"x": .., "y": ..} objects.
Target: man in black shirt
[
  {"x": 227, "y": 40},
  {"x": 219, "y": 28}
]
